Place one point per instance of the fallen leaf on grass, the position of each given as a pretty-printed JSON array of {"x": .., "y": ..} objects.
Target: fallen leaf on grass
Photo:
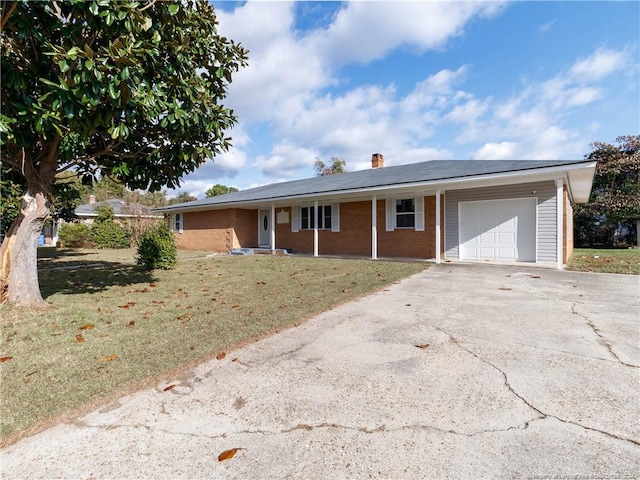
[
  {"x": 227, "y": 454},
  {"x": 346, "y": 290},
  {"x": 79, "y": 338},
  {"x": 128, "y": 305},
  {"x": 423, "y": 346},
  {"x": 152, "y": 284},
  {"x": 110, "y": 358},
  {"x": 87, "y": 326},
  {"x": 235, "y": 305},
  {"x": 4, "y": 359},
  {"x": 221, "y": 355},
  {"x": 131, "y": 323}
]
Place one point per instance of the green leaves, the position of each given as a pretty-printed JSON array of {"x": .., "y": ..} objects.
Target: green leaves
[{"x": 129, "y": 77}]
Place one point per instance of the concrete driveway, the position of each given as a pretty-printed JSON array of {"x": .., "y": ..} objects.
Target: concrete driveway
[{"x": 525, "y": 373}]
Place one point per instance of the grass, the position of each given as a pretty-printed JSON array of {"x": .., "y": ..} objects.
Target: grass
[
  {"x": 113, "y": 327},
  {"x": 606, "y": 260}
]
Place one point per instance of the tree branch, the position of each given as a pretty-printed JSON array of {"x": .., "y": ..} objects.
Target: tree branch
[
  {"x": 5, "y": 18},
  {"x": 150, "y": 4}
]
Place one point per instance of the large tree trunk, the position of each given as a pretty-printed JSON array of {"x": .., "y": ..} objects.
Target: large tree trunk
[
  {"x": 19, "y": 271},
  {"x": 19, "y": 251}
]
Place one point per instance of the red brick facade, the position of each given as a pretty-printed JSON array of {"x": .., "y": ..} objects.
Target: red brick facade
[{"x": 222, "y": 230}]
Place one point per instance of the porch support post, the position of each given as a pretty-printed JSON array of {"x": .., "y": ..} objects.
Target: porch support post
[
  {"x": 315, "y": 228},
  {"x": 374, "y": 228},
  {"x": 273, "y": 227},
  {"x": 438, "y": 226},
  {"x": 559, "y": 217}
]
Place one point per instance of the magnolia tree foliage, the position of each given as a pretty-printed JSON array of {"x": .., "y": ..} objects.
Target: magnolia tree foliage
[
  {"x": 614, "y": 205},
  {"x": 126, "y": 89}
]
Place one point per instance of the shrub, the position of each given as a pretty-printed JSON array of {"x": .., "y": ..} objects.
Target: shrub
[
  {"x": 74, "y": 235},
  {"x": 106, "y": 233},
  {"x": 157, "y": 248}
]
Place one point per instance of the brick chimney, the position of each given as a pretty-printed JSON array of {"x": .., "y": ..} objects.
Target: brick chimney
[
  {"x": 92, "y": 199},
  {"x": 377, "y": 160}
]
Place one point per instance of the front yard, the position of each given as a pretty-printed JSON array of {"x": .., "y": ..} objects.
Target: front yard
[
  {"x": 606, "y": 260},
  {"x": 112, "y": 327}
]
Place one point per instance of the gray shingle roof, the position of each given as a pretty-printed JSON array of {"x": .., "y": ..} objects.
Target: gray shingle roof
[{"x": 431, "y": 171}]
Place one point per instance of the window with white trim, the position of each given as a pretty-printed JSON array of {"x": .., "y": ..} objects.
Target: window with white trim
[
  {"x": 307, "y": 217},
  {"x": 406, "y": 213},
  {"x": 176, "y": 222}
]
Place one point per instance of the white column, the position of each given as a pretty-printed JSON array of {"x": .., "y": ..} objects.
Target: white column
[
  {"x": 315, "y": 228},
  {"x": 559, "y": 217},
  {"x": 273, "y": 227},
  {"x": 374, "y": 228},
  {"x": 437, "y": 226}
]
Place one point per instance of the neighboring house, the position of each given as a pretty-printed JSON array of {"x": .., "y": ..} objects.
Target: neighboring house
[
  {"x": 89, "y": 211},
  {"x": 495, "y": 210}
]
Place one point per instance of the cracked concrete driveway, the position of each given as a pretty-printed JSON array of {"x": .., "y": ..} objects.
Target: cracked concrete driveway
[{"x": 528, "y": 373}]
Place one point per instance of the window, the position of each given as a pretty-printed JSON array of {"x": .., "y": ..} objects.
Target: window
[
  {"x": 176, "y": 222},
  {"x": 307, "y": 217},
  {"x": 406, "y": 213}
]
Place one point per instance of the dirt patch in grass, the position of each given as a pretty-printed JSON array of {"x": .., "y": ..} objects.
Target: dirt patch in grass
[
  {"x": 111, "y": 327},
  {"x": 625, "y": 261}
]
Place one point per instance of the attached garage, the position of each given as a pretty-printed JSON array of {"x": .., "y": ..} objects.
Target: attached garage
[{"x": 498, "y": 230}]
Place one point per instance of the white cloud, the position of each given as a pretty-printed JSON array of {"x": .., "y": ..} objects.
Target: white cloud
[
  {"x": 546, "y": 27},
  {"x": 372, "y": 29},
  {"x": 601, "y": 63},
  {"x": 496, "y": 151}
]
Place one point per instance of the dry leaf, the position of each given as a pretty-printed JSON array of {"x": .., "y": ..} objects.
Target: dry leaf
[
  {"x": 505, "y": 288},
  {"x": 152, "y": 284},
  {"x": 235, "y": 359},
  {"x": 166, "y": 389},
  {"x": 423, "y": 346},
  {"x": 131, "y": 323},
  {"x": 235, "y": 305},
  {"x": 227, "y": 454},
  {"x": 407, "y": 304},
  {"x": 221, "y": 355},
  {"x": 346, "y": 290},
  {"x": 534, "y": 276},
  {"x": 4, "y": 359},
  {"x": 79, "y": 338},
  {"x": 87, "y": 326},
  {"x": 110, "y": 358}
]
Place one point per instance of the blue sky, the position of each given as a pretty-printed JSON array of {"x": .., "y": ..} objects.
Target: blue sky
[{"x": 420, "y": 81}]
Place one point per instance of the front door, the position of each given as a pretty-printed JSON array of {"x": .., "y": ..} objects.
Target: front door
[{"x": 264, "y": 228}]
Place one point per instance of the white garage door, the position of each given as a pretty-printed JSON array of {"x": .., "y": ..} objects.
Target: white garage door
[{"x": 498, "y": 230}]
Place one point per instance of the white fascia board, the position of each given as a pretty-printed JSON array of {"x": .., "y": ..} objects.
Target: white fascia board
[{"x": 423, "y": 188}]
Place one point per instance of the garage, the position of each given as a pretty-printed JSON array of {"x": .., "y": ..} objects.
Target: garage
[{"x": 498, "y": 230}]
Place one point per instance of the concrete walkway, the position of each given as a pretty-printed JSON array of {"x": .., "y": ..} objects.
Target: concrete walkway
[{"x": 523, "y": 373}]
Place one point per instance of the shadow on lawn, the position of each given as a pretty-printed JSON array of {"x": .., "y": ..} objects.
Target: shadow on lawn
[{"x": 75, "y": 277}]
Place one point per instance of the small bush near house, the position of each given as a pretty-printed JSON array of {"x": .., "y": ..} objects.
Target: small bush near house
[
  {"x": 106, "y": 233},
  {"x": 157, "y": 248},
  {"x": 74, "y": 235}
]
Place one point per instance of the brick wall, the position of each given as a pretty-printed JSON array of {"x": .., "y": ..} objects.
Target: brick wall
[
  {"x": 354, "y": 237},
  {"x": 218, "y": 230},
  {"x": 567, "y": 227}
]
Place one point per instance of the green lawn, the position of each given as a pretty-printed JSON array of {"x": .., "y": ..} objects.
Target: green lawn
[
  {"x": 606, "y": 260},
  {"x": 112, "y": 327}
]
